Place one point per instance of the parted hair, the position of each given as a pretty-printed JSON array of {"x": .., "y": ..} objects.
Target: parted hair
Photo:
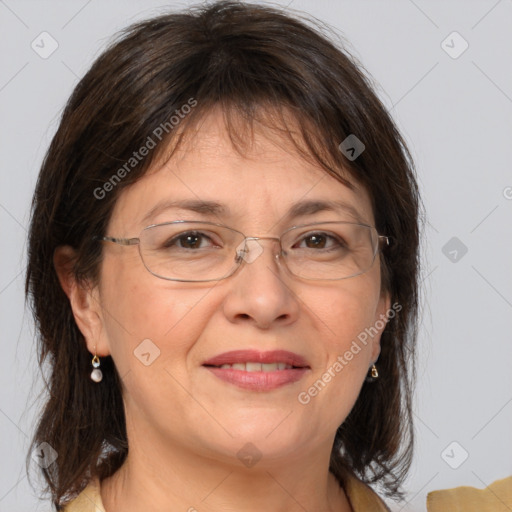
[{"x": 258, "y": 64}]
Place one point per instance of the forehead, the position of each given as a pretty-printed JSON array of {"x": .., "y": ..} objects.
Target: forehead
[{"x": 259, "y": 182}]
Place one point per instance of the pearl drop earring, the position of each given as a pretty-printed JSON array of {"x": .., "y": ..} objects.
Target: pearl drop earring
[{"x": 96, "y": 374}]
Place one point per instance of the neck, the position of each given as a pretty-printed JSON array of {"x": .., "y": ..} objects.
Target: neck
[{"x": 160, "y": 482}]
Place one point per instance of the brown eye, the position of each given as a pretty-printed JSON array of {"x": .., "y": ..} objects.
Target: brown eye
[
  {"x": 320, "y": 241},
  {"x": 316, "y": 241},
  {"x": 189, "y": 240}
]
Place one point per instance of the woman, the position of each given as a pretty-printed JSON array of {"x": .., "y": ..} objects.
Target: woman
[{"x": 223, "y": 266}]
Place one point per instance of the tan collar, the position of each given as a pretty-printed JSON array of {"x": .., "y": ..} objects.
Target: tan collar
[
  {"x": 89, "y": 500},
  {"x": 361, "y": 496}
]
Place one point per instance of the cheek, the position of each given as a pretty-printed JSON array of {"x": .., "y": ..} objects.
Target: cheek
[
  {"x": 348, "y": 353},
  {"x": 342, "y": 313},
  {"x": 146, "y": 315},
  {"x": 342, "y": 317}
]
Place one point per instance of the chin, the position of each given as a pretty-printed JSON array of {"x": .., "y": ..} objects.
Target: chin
[{"x": 272, "y": 436}]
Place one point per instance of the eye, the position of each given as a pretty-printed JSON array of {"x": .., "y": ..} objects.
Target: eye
[
  {"x": 189, "y": 240},
  {"x": 320, "y": 240}
]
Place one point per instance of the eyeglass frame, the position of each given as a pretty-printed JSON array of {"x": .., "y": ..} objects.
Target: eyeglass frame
[{"x": 136, "y": 241}]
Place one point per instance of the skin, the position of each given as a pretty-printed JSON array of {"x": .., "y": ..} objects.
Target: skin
[{"x": 185, "y": 426}]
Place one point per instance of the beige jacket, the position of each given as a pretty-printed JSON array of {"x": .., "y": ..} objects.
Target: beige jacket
[{"x": 495, "y": 498}]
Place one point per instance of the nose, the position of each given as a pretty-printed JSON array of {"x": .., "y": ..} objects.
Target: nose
[{"x": 261, "y": 292}]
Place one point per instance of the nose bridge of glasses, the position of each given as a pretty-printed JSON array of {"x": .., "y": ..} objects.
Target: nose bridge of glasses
[
  {"x": 250, "y": 248},
  {"x": 263, "y": 238}
]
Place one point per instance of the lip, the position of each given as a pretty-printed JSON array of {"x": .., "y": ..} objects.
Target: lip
[
  {"x": 258, "y": 381},
  {"x": 256, "y": 356}
]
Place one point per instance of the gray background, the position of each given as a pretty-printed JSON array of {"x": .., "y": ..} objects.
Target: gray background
[{"x": 456, "y": 114}]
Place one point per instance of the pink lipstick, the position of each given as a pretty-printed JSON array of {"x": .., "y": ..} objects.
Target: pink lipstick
[{"x": 258, "y": 371}]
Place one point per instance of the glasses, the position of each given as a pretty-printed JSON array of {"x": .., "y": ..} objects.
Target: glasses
[{"x": 195, "y": 251}]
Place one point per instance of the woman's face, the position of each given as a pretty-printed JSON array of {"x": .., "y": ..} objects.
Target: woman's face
[{"x": 160, "y": 333}]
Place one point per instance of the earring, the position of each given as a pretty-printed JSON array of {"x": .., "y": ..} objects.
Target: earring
[
  {"x": 96, "y": 374},
  {"x": 374, "y": 374}
]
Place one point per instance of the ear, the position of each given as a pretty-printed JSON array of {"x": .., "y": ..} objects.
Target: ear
[
  {"x": 382, "y": 314},
  {"x": 84, "y": 300}
]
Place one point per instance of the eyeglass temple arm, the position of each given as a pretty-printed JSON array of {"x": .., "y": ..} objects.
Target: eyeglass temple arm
[{"x": 120, "y": 241}]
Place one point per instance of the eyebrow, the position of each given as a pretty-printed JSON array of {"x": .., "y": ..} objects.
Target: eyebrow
[
  {"x": 213, "y": 208},
  {"x": 315, "y": 206}
]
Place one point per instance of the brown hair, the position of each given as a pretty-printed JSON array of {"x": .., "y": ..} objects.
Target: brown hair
[{"x": 247, "y": 59}]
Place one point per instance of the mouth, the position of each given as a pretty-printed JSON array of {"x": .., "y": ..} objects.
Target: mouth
[
  {"x": 256, "y": 361},
  {"x": 258, "y": 371},
  {"x": 255, "y": 367}
]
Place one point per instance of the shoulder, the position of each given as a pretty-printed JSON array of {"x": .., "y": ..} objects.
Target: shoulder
[
  {"x": 497, "y": 497},
  {"x": 89, "y": 500}
]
